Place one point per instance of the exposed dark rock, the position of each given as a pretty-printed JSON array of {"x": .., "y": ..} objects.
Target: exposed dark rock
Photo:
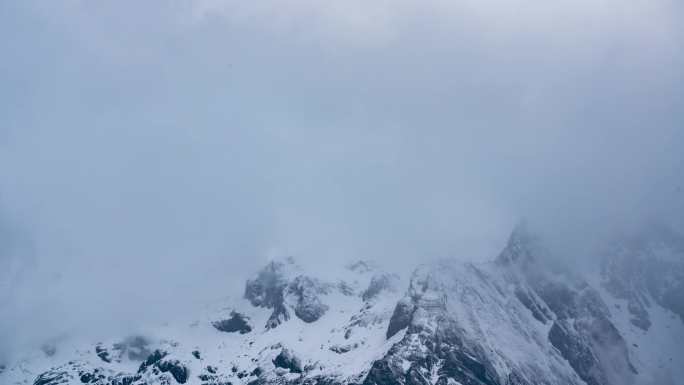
[
  {"x": 341, "y": 349},
  {"x": 158, "y": 360},
  {"x": 196, "y": 354},
  {"x": 582, "y": 344},
  {"x": 287, "y": 360},
  {"x": 381, "y": 373},
  {"x": 207, "y": 377},
  {"x": 92, "y": 377},
  {"x": 461, "y": 368},
  {"x": 416, "y": 376},
  {"x": 52, "y": 378},
  {"x": 103, "y": 353},
  {"x": 578, "y": 355},
  {"x": 177, "y": 370},
  {"x": 256, "y": 372},
  {"x": 152, "y": 359},
  {"x": 401, "y": 317},
  {"x": 236, "y": 323}
]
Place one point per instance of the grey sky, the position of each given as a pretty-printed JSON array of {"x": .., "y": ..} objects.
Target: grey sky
[{"x": 156, "y": 142}]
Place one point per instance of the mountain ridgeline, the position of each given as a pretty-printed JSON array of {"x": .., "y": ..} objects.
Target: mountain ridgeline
[{"x": 515, "y": 320}]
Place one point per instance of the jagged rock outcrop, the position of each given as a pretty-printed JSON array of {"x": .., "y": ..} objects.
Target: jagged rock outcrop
[
  {"x": 278, "y": 287},
  {"x": 158, "y": 362}
]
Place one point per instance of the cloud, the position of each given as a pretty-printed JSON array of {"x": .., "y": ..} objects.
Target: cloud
[
  {"x": 499, "y": 22},
  {"x": 165, "y": 144}
]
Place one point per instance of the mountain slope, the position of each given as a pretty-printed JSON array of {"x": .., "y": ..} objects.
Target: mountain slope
[
  {"x": 506, "y": 322},
  {"x": 513, "y": 321}
]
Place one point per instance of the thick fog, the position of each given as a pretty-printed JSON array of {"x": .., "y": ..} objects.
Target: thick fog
[{"x": 152, "y": 154}]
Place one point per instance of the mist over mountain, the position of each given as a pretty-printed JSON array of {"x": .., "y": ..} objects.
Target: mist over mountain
[
  {"x": 157, "y": 158},
  {"x": 520, "y": 318}
]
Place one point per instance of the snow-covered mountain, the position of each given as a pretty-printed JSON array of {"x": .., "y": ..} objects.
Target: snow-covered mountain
[{"x": 515, "y": 320}]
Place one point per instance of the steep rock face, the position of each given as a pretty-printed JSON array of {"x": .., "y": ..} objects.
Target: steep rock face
[
  {"x": 581, "y": 326},
  {"x": 465, "y": 326},
  {"x": 401, "y": 317},
  {"x": 582, "y": 330},
  {"x": 512, "y": 321}
]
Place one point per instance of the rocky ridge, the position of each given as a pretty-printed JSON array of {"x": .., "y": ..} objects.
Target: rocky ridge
[{"x": 511, "y": 321}]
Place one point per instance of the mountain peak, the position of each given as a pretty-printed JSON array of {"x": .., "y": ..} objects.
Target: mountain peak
[{"x": 521, "y": 247}]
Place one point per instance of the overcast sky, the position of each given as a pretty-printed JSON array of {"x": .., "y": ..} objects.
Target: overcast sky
[{"x": 158, "y": 151}]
